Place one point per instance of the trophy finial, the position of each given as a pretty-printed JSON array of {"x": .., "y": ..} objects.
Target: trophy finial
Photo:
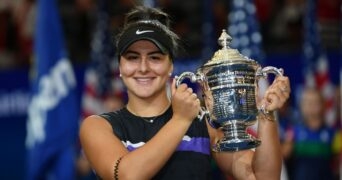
[
  {"x": 226, "y": 53},
  {"x": 224, "y": 39}
]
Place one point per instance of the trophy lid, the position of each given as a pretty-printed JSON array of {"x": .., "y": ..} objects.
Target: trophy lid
[{"x": 226, "y": 54}]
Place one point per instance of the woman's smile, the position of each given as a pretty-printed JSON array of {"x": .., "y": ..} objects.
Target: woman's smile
[{"x": 144, "y": 80}]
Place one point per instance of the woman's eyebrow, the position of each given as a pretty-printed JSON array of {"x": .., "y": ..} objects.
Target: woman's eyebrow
[
  {"x": 150, "y": 53},
  {"x": 130, "y": 52},
  {"x": 155, "y": 52}
]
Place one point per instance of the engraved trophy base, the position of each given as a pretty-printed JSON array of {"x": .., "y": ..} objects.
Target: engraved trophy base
[{"x": 235, "y": 138}]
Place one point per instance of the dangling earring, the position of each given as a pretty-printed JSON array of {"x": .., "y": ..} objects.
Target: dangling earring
[
  {"x": 170, "y": 74},
  {"x": 120, "y": 75}
]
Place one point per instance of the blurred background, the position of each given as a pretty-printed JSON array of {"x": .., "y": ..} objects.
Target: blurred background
[{"x": 301, "y": 36}]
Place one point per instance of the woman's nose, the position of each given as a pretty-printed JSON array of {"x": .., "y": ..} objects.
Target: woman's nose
[{"x": 144, "y": 64}]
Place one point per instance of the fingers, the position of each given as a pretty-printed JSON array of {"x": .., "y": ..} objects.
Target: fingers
[
  {"x": 283, "y": 83},
  {"x": 194, "y": 95},
  {"x": 184, "y": 92},
  {"x": 185, "y": 102},
  {"x": 272, "y": 101},
  {"x": 277, "y": 94},
  {"x": 181, "y": 87},
  {"x": 189, "y": 90}
]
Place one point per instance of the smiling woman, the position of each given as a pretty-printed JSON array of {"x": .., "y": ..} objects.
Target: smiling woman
[
  {"x": 145, "y": 69},
  {"x": 157, "y": 136}
]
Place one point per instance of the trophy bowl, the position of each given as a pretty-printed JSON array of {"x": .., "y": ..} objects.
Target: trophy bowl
[{"x": 229, "y": 84}]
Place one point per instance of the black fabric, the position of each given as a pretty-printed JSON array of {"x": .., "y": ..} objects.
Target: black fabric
[
  {"x": 182, "y": 164},
  {"x": 147, "y": 32}
]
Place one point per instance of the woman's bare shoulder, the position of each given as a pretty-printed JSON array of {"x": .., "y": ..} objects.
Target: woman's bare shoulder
[{"x": 95, "y": 123}]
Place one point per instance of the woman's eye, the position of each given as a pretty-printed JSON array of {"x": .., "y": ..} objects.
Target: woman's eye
[
  {"x": 155, "y": 58},
  {"x": 132, "y": 57}
]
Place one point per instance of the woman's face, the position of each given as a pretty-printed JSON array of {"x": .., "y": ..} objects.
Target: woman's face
[{"x": 145, "y": 70}]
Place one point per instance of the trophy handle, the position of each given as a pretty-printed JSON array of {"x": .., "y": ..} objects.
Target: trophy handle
[
  {"x": 193, "y": 78},
  {"x": 270, "y": 69},
  {"x": 263, "y": 72}
]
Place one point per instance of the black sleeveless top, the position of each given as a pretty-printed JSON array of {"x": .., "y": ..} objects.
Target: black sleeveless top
[{"x": 190, "y": 161}]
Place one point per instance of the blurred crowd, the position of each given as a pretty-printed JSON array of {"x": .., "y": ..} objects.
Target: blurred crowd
[
  {"x": 309, "y": 145},
  {"x": 281, "y": 25}
]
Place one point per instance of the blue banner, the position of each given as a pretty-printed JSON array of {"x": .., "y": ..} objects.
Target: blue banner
[{"x": 53, "y": 112}]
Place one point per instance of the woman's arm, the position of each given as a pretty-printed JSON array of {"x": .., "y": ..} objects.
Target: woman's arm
[
  {"x": 103, "y": 149},
  {"x": 267, "y": 159}
]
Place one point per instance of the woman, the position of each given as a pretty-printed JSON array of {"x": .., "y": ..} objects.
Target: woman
[{"x": 158, "y": 137}]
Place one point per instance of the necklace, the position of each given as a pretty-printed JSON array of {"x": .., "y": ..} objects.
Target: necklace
[
  {"x": 150, "y": 119},
  {"x": 153, "y": 118}
]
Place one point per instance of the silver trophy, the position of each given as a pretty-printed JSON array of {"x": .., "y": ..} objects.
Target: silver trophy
[{"x": 229, "y": 85}]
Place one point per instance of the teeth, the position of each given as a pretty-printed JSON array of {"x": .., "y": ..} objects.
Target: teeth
[{"x": 144, "y": 79}]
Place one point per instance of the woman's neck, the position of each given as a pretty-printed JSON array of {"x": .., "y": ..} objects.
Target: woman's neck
[{"x": 148, "y": 108}]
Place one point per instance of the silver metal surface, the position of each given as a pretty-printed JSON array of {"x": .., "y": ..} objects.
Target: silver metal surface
[{"x": 228, "y": 82}]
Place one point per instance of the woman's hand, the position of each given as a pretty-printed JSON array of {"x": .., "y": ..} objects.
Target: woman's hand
[
  {"x": 277, "y": 94},
  {"x": 185, "y": 103}
]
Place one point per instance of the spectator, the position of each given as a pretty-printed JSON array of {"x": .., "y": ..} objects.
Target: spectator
[{"x": 311, "y": 141}]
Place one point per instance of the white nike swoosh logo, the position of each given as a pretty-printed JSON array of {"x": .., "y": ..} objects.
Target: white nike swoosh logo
[{"x": 142, "y": 32}]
